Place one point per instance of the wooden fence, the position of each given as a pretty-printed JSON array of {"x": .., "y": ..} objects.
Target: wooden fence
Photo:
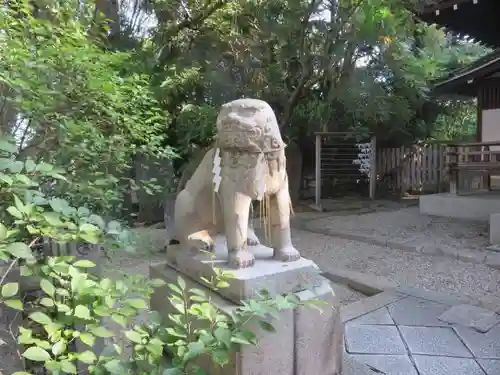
[{"x": 415, "y": 168}]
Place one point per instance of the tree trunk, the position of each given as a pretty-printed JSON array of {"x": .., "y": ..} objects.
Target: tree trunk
[
  {"x": 110, "y": 11},
  {"x": 8, "y": 113}
]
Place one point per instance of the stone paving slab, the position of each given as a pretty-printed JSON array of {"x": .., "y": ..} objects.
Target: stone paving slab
[
  {"x": 405, "y": 336},
  {"x": 413, "y": 311},
  {"x": 438, "y": 341},
  {"x": 377, "y": 317},
  {"x": 367, "y": 305},
  {"x": 490, "y": 366},
  {"x": 387, "y": 364},
  {"x": 351, "y": 366},
  {"x": 429, "y": 365},
  {"x": 482, "y": 345},
  {"x": 366, "y": 339},
  {"x": 478, "y": 318}
]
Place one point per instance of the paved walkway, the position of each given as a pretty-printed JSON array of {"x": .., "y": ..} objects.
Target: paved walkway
[{"x": 402, "y": 334}]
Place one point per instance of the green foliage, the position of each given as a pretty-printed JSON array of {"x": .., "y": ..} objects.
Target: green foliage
[
  {"x": 29, "y": 212},
  {"x": 74, "y": 303},
  {"x": 196, "y": 125},
  {"x": 72, "y": 310},
  {"x": 91, "y": 102},
  {"x": 84, "y": 109},
  {"x": 457, "y": 122},
  {"x": 369, "y": 68}
]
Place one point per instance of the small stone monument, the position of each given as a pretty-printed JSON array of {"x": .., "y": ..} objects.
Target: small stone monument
[{"x": 212, "y": 214}]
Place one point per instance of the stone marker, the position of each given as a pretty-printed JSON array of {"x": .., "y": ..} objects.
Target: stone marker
[
  {"x": 469, "y": 316},
  {"x": 248, "y": 163}
]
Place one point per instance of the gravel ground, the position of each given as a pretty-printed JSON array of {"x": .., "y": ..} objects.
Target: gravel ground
[
  {"x": 405, "y": 268},
  {"x": 407, "y": 224}
]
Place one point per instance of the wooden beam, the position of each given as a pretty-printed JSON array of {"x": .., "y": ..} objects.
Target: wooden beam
[
  {"x": 373, "y": 167},
  {"x": 479, "y": 116},
  {"x": 317, "y": 200},
  {"x": 445, "y": 5}
]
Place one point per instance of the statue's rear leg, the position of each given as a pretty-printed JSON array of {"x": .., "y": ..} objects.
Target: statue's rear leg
[
  {"x": 193, "y": 232},
  {"x": 252, "y": 239}
]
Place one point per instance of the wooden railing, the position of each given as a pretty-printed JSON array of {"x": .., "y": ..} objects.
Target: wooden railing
[{"x": 472, "y": 158}]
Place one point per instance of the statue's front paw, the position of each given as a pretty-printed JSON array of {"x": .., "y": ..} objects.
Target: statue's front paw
[
  {"x": 209, "y": 247},
  {"x": 241, "y": 259},
  {"x": 169, "y": 243},
  {"x": 287, "y": 254},
  {"x": 253, "y": 241}
]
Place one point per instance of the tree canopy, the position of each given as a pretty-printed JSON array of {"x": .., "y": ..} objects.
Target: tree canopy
[{"x": 91, "y": 84}]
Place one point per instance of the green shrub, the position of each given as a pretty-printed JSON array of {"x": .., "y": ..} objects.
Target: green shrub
[{"x": 75, "y": 303}]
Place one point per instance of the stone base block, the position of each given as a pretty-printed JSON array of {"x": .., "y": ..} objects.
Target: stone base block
[
  {"x": 306, "y": 341},
  {"x": 495, "y": 229},
  {"x": 275, "y": 276},
  {"x": 477, "y": 206}
]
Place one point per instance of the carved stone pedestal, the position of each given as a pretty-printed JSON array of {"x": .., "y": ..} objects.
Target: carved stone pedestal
[
  {"x": 275, "y": 276},
  {"x": 306, "y": 341}
]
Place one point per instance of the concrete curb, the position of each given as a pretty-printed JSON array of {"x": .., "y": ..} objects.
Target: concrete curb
[
  {"x": 488, "y": 258},
  {"x": 367, "y": 284},
  {"x": 489, "y": 302},
  {"x": 379, "y": 288},
  {"x": 367, "y": 305}
]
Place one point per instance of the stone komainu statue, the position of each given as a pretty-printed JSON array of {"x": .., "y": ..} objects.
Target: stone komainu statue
[{"x": 247, "y": 163}]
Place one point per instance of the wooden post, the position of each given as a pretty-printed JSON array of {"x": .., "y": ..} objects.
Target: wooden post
[
  {"x": 318, "y": 173},
  {"x": 453, "y": 159},
  {"x": 442, "y": 157},
  {"x": 373, "y": 167},
  {"x": 454, "y": 181}
]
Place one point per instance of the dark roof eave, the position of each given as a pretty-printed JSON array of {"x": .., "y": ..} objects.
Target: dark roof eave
[
  {"x": 461, "y": 20},
  {"x": 463, "y": 78},
  {"x": 468, "y": 90}
]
